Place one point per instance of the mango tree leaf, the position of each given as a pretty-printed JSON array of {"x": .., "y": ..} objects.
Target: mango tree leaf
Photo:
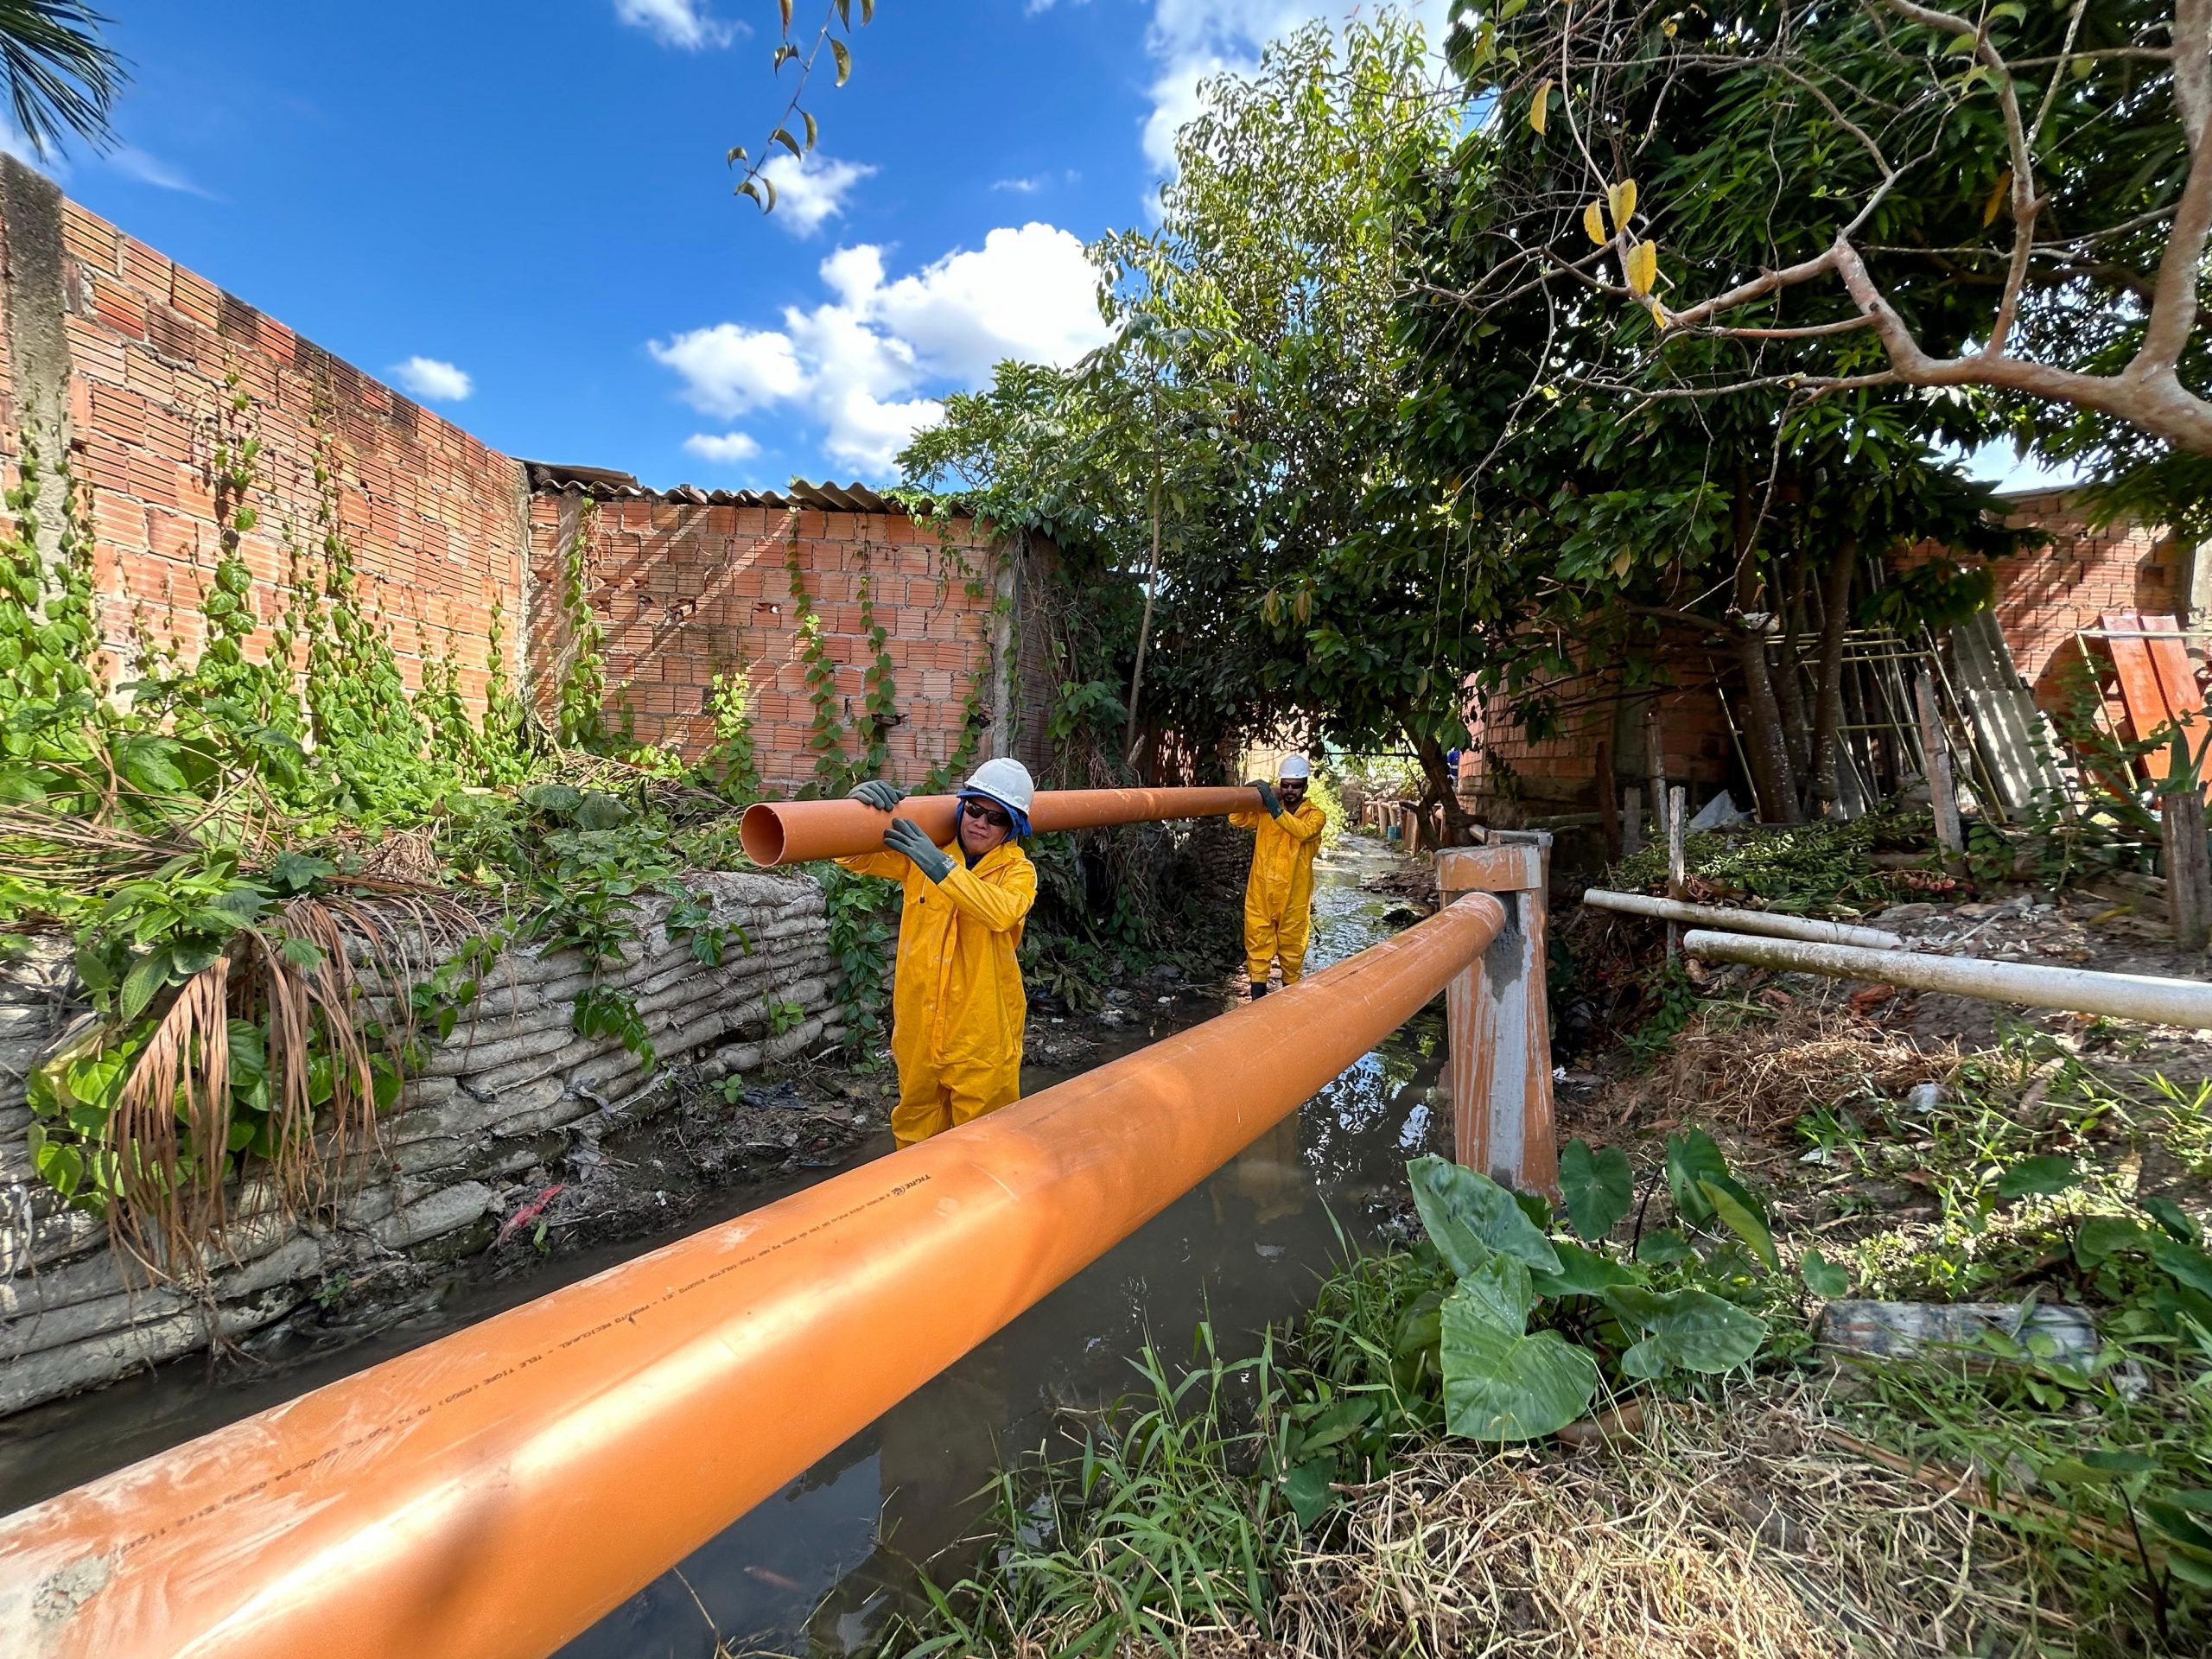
[
  {"x": 1692, "y": 1329},
  {"x": 1597, "y": 1187},
  {"x": 1582, "y": 1273},
  {"x": 1743, "y": 1219},
  {"x": 2038, "y": 1178},
  {"x": 1471, "y": 1216},
  {"x": 1505, "y": 1385}
]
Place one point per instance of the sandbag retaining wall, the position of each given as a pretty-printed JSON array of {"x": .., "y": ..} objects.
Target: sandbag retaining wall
[{"x": 512, "y": 1088}]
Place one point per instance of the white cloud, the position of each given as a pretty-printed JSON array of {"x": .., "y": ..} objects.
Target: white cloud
[
  {"x": 433, "y": 378},
  {"x": 728, "y": 370},
  {"x": 723, "y": 446},
  {"x": 810, "y": 190},
  {"x": 685, "y": 23},
  {"x": 152, "y": 169},
  {"x": 867, "y": 363},
  {"x": 1028, "y": 187}
]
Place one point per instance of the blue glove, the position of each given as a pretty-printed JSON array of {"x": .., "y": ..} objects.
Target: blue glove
[
  {"x": 879, "y": 794},
  {"x": 907, "y": 837},
  {"x": 1268, "y": 799}
]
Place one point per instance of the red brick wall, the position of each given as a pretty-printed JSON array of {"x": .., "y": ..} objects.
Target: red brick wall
[
  {"x": 685, "y": 591},
  {"x": 434, "y": 517},
  {"x": 1558, "y": 775},
  {"x": 2045, "y": 594}
]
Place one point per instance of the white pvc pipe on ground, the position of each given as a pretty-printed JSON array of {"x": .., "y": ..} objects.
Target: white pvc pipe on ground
[
  {"x": 1743, "y": 921},
  {"x": 2121, "y": 996}
]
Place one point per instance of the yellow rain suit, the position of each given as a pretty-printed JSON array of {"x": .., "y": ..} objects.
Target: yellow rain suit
[
  {"x": 1279, "y": 897},
  {"x": 957, "y": 1006}
]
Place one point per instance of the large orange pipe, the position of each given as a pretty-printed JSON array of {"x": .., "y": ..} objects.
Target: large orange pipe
[
  {"x": 495, "y": 1492},
  {"x": 792, "y": 832}
]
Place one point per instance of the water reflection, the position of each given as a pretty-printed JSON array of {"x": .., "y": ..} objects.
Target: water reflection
[{"x": 816, "y": 1570}]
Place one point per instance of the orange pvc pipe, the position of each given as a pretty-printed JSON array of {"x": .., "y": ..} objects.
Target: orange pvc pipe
[
  {"x": 793, "y": 832},
  {"x": 496, "y": 1491}
]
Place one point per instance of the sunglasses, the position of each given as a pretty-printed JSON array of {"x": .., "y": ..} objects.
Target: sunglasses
[{"x": 988, "y": 813}]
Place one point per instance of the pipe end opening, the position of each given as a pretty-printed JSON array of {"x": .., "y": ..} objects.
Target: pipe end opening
[{"x": 761, "y": 831}]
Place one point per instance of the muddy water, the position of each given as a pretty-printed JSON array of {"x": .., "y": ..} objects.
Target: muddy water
[{"x": 815, "y": 1569}]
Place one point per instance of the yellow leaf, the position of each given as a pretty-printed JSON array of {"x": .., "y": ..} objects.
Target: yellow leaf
[
  {"x": 2001, "y": 190},
  {"x": 1621, "y": 560},
  {"x": 1641, "y": 268},
  {"x": 1621, "y": 197},
  {"x": 1658, "y": 313},
  {"x": 1593, "y": 220},
  {"x": 1539, "y": 108}
]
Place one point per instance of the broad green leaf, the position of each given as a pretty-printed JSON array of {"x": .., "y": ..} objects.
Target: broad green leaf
[
  {"x": 1306, "y": 1489},
  {"x": 1744, "y": 1220},
  {"x": 2176, "y": 1221},
  {"x": 1692, "y": 1160},
  {"x": 1470, "y": 1215},
  {"x": 2186, "y": 1264},
  {"x": 1582, "y": 1273},
  {"x": 147, "y": 976},
  {"x": 1690, "y": 1328},
  {"x": 599, "y": 810},
  {"x": 1502, "y": 1385},
  {"x": 1499, "y": 1290},
  {"x": 1662, "y": 1247},
  {"x": 1825, "y": 1279},
  {"x": 297, "y": 872},
  {"x": 2101, "y": 1237},
  {"x": 555, "y": 800},
  {"x": 1597, "y": 1187},
  {"x": 2038, "y": 1177}
]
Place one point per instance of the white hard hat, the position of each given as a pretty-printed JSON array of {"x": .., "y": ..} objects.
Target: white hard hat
[
  {"x": 1006, "y": 781},
  {"x": 1294, "y": 766}
]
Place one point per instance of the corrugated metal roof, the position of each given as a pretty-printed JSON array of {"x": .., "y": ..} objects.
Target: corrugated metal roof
[{"x": 602, "y": 484}]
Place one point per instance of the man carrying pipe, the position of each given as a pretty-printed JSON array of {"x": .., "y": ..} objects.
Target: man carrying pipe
[
  {"x": 1279, "y": 895},
  {"x": 957, "y": 1006}
]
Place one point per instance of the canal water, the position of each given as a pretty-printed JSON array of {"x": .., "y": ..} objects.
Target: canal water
[{"x": 816, "y": 1569}]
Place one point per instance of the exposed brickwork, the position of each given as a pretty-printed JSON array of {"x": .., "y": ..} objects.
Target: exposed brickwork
[
  {"x": 686, "y": 591},
  {"x": 434, "y": 517},
  {"x": 1558, "y": 774}
]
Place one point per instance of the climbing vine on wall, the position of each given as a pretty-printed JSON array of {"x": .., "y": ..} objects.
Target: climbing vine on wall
[{"x": 581, "y": 717}]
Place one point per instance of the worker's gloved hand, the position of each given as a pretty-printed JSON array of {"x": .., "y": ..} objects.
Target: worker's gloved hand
[
  {"x": 907, "y": 837},
  {"x": 1268, "y": 799},
  {"x": 878, "y": 794}
]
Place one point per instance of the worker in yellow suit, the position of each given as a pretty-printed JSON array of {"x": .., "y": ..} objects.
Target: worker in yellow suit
[
  {"x": 957, "y": 1006},
  {"x": 1279, "y": 897}
]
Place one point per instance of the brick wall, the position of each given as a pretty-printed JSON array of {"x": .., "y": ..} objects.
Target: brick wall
[
  {"x": 1558, "y": 774},
  {"x": 686, "y": 590},
  {"x": 152, "y": 352},
  {"x": 2045, "y": 594}
]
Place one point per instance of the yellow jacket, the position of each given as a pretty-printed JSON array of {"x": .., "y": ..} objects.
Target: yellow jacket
[
  {"x": 957, "y": 1005},
  {"x": 1281, "y": 887}
]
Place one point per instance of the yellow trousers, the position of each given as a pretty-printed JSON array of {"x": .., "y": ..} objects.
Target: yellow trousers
[
  {"x": 1269, "y": 939},
  {"x": 930, "y": 1103}
]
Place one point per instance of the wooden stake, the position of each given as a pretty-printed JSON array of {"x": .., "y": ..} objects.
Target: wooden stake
[
  {"x": 1609, "y": 809},
  {"x": 1655, "y": 762},
  {"x": 1631, "y": 820},
  {"x": 1942, "y": 792},
  {"x": 2188, "y": 867}
]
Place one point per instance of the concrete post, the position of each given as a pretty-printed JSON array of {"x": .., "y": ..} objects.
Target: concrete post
[{"x": 1499, "y": 1019}]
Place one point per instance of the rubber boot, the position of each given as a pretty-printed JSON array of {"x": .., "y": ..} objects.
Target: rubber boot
[{"x": 1259, "y": 988}]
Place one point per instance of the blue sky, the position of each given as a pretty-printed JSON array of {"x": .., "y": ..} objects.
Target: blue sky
[{"x": 519, "y": 210}]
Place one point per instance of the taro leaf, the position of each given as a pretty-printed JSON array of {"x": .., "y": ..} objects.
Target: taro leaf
[
  {"x": 2037, "y": 1178},
  {"x": 1692, "y": 1159},
  {"x": 1502, "y": 1385},
  {"x": 1537, "y": 1208},
  {"x": 1471, "y": 1216},
  {"x": 1733, "y": 1207},
  {"x": 600, "y": 810},
  {"x": 1825, "y": 1279},
  {"x": 297, "y": 872},
  {"x": 1663, "y": 1247},
  {"x": 1499, "y": 1290},
  {"x": 555, "y": 800},
  {"x": 1582, "y": 1273},
  {"x": 2101, "y": 1237},
  {"x": 1692, "y": 1329},
  {"x": 2186, "y": 1265},
  {"x": 1597, "y": 1187},
  {"x": 1307, "y": 1488},
  {"x": 2175, "y": 1219}
]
